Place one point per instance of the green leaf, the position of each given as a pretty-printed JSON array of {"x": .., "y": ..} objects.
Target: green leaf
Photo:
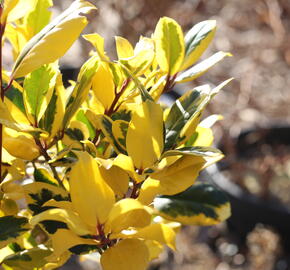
[
  {"x": 28, "y": 259},
  {"x": 197, "y": 40},
  {"x": 11, "y": 227},
  {"x": 201, "y": 204},
  {"x": 169, "y": 45},
  {"x": 37, "y": 91},
  {"x": 39, "y": 17},
  {"x": 81, "y": 89},
  {"x": 193, "y": 151},
  {"x": 202, "y": 67}
]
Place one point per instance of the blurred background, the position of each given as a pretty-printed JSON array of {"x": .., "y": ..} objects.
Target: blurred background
[{"x": 257, "y": 33}]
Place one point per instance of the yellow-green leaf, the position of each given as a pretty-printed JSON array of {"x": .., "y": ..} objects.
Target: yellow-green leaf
[
  {"x": 54, "y": 40},
  {"x": 128, "y": 254},
  {"x": 127, "y": 213},
  {"x": 197, "y": 40},
  {"x": 38, "y": 89},
  {"x": 170, "y": 47},
  {"x": 145, "y": 140},
  {"x": 38, "y": 18},
  {"x": 91, "y": 196}
]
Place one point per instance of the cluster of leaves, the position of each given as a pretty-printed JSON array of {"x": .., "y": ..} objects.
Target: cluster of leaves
[{"x": 101, "y": 166}]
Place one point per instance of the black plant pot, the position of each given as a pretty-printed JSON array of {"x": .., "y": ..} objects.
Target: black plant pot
[{"x": 247, "y": 209}]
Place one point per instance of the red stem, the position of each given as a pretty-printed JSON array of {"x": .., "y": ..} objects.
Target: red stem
[
  {"x": 112, "y": 109},
  {"x": 2, "y": 29}
]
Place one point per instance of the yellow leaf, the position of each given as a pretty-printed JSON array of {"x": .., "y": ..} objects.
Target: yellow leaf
[
  {"x": 169, "y": 45},
  {"x": 128, "y": 254},
  {"x": 145, "y": 140},
  {"x": 54, "y": 40},
  {"x": 69, "y": 217},
  {"x": 17, "y": 36},
  {"x": 20, "y": 145},
  {"x": 124, "y": 48},
  {"x": 63, "y": 240},
  {"x": 103, "y": 85},
  {"x": 127, "y": 213},
  {"x": 126, "y": 163},
  {"x": 149, "y": 189},
  {"x": 173, "y": 179},
  {"x": 117, "y": 179},
  {"x": 155, "y": 248},
  {"x": 204, "y": 136},
  {"x": 8, "y": 6},
  {"x": 7, "y": 120},
  {"x": 16, "y": 113},
  {"x": 161, "y": 233},
  {"x": 91, "y": 196},
  {"x": 98, "y": 42},
  {"x": 19, "y": 10},
  {"x": 9, "y": 207},
  {"x": 59, "y": 204}
]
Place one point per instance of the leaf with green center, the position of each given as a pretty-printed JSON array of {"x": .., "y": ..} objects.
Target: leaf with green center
[
  {"x": 194, "y": 151},
  {"x": 201, "y": 204},
  {"x": 81, "y": 90},
  {"x": 28, "y": 259},
  {"x": 169, "y": 45},
  {"x": 197, "y": 40},
  {"x": 11, "y": 227},
  {"x": 181, "y": 112}
]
